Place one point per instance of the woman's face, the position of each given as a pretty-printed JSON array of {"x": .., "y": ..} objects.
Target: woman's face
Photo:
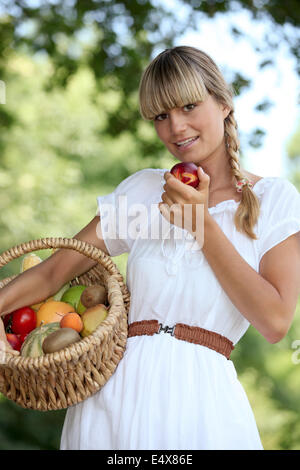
[{"x": 203, "y": 121}]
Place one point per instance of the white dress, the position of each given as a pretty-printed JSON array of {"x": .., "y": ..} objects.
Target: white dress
[{"x": 166, "y": 393}]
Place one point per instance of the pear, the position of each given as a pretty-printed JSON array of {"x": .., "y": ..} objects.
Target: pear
[
  {"x": 92, "y": 318},
  {"x": 61, "y": 292}
]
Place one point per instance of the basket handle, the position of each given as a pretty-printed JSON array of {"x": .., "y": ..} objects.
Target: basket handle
[{"x": 71, "y": 243}]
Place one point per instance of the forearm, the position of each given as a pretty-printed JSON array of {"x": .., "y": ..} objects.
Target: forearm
[
  {"x": 257, "y": 300},
  {"x": 26, "y": 289}
]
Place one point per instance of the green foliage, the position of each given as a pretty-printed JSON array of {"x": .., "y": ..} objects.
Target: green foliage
[
  {"x": 28, "y": 429},
  {"x": 293, "y": 150},
  {"x": 55, "y": 163},
  {"x": 73, "y": 133},
  {"x": 270, "y": 376},
  {"x": 115, "y": 40}
]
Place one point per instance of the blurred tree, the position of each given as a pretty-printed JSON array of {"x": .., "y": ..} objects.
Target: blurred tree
[
  {"x": 293, "y": 150},
  {"x": 28, "y": 429},
  {"x": 270, "y": 376},
  {"x": 53, "y": 163},
  {"x": 73, "y": 105},
  {"x": 116, "y": 39}
]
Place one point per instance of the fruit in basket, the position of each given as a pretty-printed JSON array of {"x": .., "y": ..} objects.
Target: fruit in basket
[
  {"x": 7, "y": 319},
  {"x": 187, "y": 173},
  {"x": 61, "y": 292},
  {"x": 56, "y": 296},
  {"x": 32, "y": 346},
  {"x": 36, "y": 307},
  {"x": 23, "y": 321},
  {"x": 93, "y": 295},
  {"x": 60, "y": 339},
  {"x": 92, "y": 318},
  {"x": 29, "y": 261},
  {"x": 72, "y": 296},
  {"x": 52, "y": 311},
  {"x": 14, "y": 341},
  {"x": 72, "y": 320},
  {"x": 23, "y": 336}
]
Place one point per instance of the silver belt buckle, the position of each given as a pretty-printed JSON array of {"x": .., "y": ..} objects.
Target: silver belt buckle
[{"x": 166, "y": 329}]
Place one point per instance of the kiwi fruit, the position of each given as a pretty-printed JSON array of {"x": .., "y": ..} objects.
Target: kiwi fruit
[
  {"x": 60, "y": 339},
  {"x": 93, "y": 295}
]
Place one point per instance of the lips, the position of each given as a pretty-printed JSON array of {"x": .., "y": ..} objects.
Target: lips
[
  {"x": 184, "y": 142},
  {"x": 187, "y": 145}
]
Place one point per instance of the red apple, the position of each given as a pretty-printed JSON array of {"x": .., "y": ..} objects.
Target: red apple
[
  {"x": 14, "y": 341},
  {"x": 23, "y": 320},
  {"x": 186, "y": 173}
]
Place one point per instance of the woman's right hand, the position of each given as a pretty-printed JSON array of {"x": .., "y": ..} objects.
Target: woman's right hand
[
  {"x": 4, "y": 344},
  {"x": 2, "y": 330},
  {"x": 5, "y": 348}
]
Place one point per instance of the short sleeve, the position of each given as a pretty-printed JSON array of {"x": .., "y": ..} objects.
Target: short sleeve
[
  {"x": 118, "y": 210},
  {"x": 280, "y": 214}
]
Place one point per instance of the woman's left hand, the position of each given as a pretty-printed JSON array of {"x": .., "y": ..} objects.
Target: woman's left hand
[{"x": 190, "y": 205}]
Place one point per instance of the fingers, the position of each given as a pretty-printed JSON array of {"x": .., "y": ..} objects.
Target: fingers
[
  {"x": 2, "y": 331},
  {"x": 204, "y": 179},
  {"x": 164, "y": 210},
  {"x": 177, "y": 191},
  {"x": 168, "y": 175},
  {"x": 166, "y": 199},
  {"x": 173, "y": 214},
  {"x": 4, "y": 344}
]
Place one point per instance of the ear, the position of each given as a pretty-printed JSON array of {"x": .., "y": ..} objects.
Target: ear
[{"x": 226, "y": 110}]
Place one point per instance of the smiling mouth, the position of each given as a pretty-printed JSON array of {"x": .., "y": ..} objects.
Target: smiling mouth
[{"x": 186, "y": 143}]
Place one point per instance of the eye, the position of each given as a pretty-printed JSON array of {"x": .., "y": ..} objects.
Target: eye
[
  {"x": 160, "y": 117},
  {"x": 190, "y": 106}
]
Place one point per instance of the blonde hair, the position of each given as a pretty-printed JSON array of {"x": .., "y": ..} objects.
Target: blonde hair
[{"x": 184, "y": 75}]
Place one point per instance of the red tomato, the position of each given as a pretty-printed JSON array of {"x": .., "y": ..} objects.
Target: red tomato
[
  {"x": 14, "y": 341},
  {"x": 23, "y": 321},
  {"x": 23, "y": 337}
]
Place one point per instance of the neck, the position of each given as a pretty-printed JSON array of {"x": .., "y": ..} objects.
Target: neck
[{"x": 219, "y": 171}]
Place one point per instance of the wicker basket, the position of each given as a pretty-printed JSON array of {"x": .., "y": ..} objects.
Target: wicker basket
[{"x": 64, "y": 378}]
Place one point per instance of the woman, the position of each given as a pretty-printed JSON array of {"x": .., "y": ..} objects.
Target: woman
[{"x": 178, "y": 389}]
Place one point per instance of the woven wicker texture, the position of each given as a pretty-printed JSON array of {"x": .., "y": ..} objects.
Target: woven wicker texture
[{"x": 61, "y": 379}]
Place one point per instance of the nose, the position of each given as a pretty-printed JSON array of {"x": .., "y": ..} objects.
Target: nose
[{"x": 177, "y": 125}]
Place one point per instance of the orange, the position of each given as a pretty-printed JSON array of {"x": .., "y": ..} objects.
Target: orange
[
  {"x": 36, "y": 307},
  {"x": 52, "y": 311},
  {"x": 72, "y": 320}
]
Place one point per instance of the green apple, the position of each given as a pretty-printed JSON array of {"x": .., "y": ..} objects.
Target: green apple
[
  {"x": 72, "y": 297},
  {"x": 81, "y": 308}
]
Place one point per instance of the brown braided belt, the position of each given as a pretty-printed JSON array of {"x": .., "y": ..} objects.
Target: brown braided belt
[{"x": 192, "y": 334}]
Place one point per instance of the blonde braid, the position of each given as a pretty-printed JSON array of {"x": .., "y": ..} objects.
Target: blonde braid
[{"x": 248, "y": 210}]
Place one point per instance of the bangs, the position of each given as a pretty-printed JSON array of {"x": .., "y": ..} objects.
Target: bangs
[{"x": 170, "y": 82}]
